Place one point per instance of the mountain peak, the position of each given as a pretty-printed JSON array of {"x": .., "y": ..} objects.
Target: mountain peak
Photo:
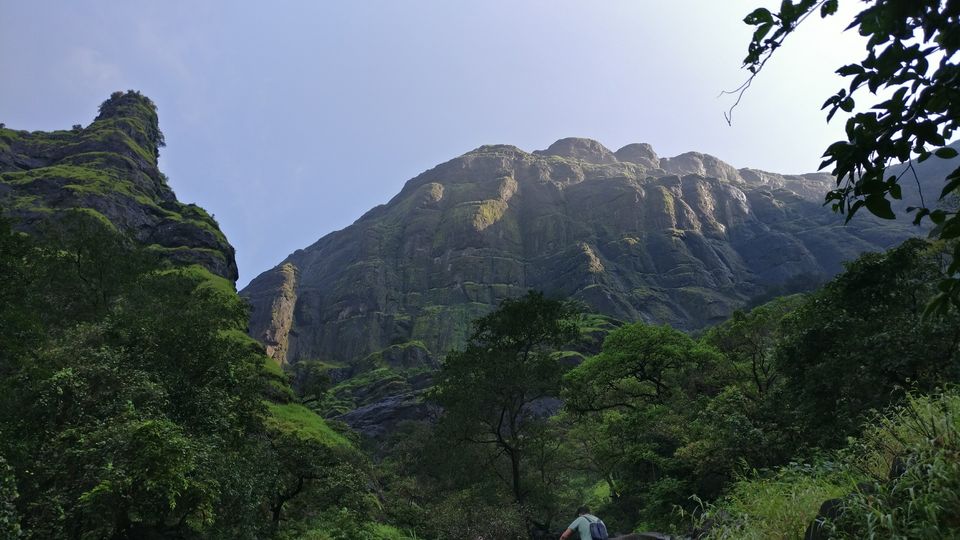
[
  {"x": 639, "y": 153},
  {"x": 701, "y": 164},
  {"x": 588, "y": 150},
  {"x": 136, "y": 115},
  {"x": 109, "y": 168}
]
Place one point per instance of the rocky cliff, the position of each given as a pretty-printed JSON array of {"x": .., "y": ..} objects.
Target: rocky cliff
[
  {"x": 109, "y": 167},
  {"x": 682, "y": 240}
]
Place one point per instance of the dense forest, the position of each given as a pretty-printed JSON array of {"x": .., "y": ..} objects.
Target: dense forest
[{"x": 135, "y": 406}]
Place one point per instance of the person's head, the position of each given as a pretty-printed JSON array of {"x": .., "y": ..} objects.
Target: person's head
[{"x": 583, "y": 510}]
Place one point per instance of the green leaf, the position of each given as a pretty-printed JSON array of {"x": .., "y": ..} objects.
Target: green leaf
[
  {"x": 762, "y": 31},
  {"x": 853, "y": 209},
  {"x": 938, "y": 216},
  {"x": 829, "y": 8},
  {"x": 850, "y": 69},
  {"x": 788, "y": 13},
  {"x": 953, "y": 181},
  {"x": 950, "y": 229},
  {"x": 896, "y": 192},
  {"x": 946, "y": 153},
  {"x": 939, "y": 306},
  {"x": 879, "y": 206},
  {"x": 759, "y": 16}
]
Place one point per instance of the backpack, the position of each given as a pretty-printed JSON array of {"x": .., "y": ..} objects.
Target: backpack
[{"x": 598, "y": 531}]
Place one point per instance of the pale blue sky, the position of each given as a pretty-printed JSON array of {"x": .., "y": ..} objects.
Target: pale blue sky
[{"x": 289, "y": 119}]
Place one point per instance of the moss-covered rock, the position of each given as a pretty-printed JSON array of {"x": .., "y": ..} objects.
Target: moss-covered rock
[
  {"x": 109, "y": 167},
  {"x": 682, "y": 240}
]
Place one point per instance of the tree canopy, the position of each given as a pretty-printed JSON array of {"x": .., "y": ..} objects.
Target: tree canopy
[{"x": 501, "y": 388}]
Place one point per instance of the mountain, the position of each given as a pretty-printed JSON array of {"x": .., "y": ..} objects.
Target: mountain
[
  {"x": 109, "y": 168},
  {"x": 682, "y": 240}
]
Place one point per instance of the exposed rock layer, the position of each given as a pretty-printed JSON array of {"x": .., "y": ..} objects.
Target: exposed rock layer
[
  {"x": 681, "y": 240},
  {"x": 109, "y": 167}
]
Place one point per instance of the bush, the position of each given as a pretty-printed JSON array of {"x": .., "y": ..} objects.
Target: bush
[
  {"x": 342, "y": 524},
  {"x": 910, "y": 459},
  {"x": 913, "y": 455},
  {"x": 464, "y": 516},
  {"x": 776, "y": 505}
]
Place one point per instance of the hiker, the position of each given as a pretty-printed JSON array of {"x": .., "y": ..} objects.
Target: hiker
[{"x": 588, "y": 525}]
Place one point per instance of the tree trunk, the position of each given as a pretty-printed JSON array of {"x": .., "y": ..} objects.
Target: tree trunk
[{"x": 515, "y": 470}]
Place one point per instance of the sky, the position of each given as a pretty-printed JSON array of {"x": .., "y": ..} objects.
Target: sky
[{"x": 288, "y": 119}]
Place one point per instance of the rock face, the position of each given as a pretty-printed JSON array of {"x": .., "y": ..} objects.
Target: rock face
[
  {"x": 109, "y": 167},
  {"x": 682, "y": 240}
]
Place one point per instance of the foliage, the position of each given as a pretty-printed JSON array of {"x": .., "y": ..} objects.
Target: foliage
[
  {"x": 463, "y": 515},
  {"x": 658, "y": 416},
  {"x": 311, "y": 380},
  {"x": 775, "y": 505},
  {"x": 899, "y": 480},
  {"x": 748, "y": 340},
  {"x": 9, "y": 519},
  {"x": 912, "y": 54},
  {"x": 639, "y": 364},
  {"x": 636, "y": 402},
  {"x": 131, "y": 391},
  {"x": 920, "y": 442},
  {"x": 131, "y": 399},
  {"x": 860, "y": 343},
  {"x": 496, "y": 391},
  {"x": 342, "y": 524}
]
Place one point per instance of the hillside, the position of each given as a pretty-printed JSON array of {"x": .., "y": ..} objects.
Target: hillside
[
  {"x": 132, "y": 400},
  {"x": 682, "y": 240},
  {"x": 109, "y": 167}
]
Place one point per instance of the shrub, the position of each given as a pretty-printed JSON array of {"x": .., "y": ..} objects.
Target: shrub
[
  {"x": 776, "y": 505},
  {"x": 909, "y": 456},
  {"x": 913, "y": 455}
]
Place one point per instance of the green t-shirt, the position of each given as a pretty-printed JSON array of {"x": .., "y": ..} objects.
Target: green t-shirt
[{"x": 582, "y": 525}]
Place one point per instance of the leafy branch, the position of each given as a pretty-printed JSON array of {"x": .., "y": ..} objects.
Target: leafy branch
[{"x": 912, "y": 56}]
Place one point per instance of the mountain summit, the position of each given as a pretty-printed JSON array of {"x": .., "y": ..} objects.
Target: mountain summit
[
  {"x": 682, "y": 240},
  {"x": 109, "y": 168}
]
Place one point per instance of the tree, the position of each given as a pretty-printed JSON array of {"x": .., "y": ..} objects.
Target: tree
[
  {"x": 861, "y": 343},
  {"x": 639, "y": 365},
  {"x": 129, "y": 397},
  {"x": 748, "y": 340},
  {"x": 635, "y": 402},
  {"x": 496, "y": 391},
  {"x": 912, "y": 55}
]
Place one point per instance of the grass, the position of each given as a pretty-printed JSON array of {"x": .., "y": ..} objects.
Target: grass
[
  {"x": 488, "y": 212},
  {"x": 593, "y": 322},
  {"x": 66, "y": 174},
  {"x": 921, "y": 437},
  {"x": 383, "y": 377},
  {"x": 778, "y": 506},
  {"x": 271, "y": 366},
  {"x": 208, "y": 280},
  {"x": 295, "y": 419},
  {"x": 343, "y": 525},
  {"x": 380, "y": 531},
  {"x": 165, "y": 250}
]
